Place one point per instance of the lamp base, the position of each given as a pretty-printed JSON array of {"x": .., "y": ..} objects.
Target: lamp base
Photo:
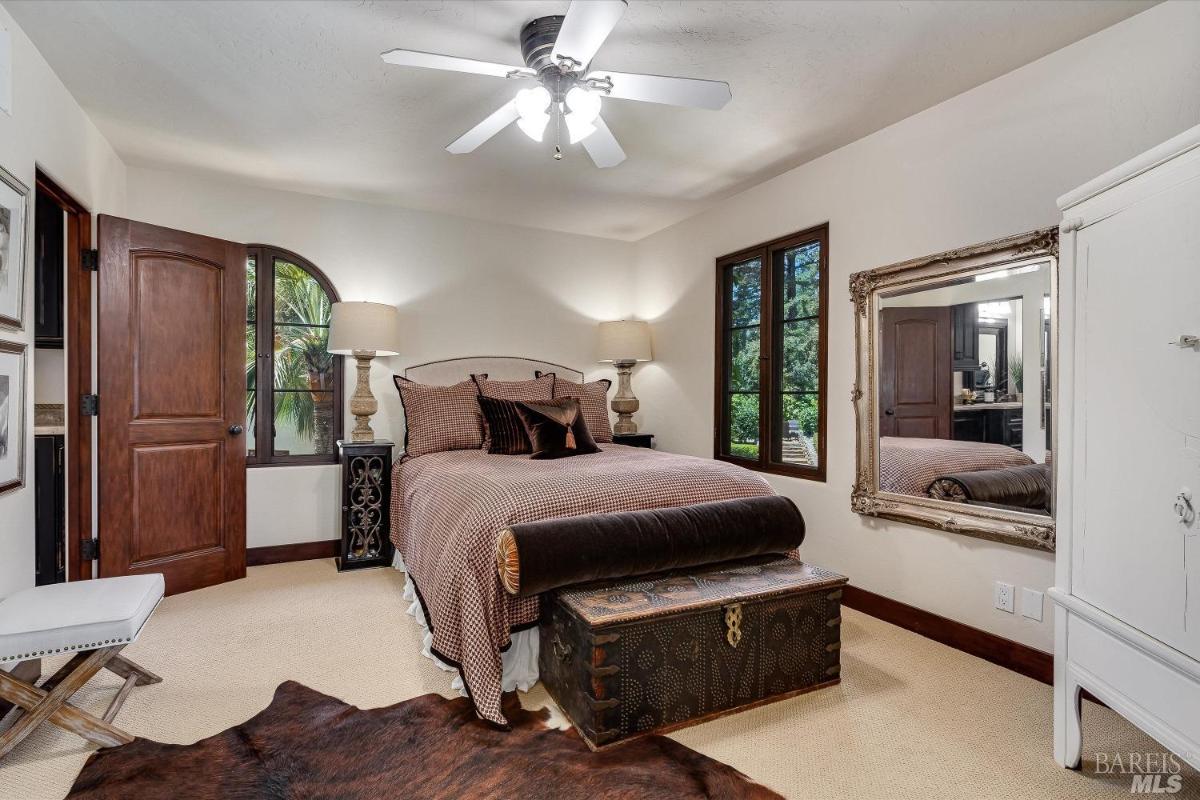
[
  {"x": 624, "y": 402},
  {"x": 363, "y": 432},
  {"x": 362, "y": 403}
]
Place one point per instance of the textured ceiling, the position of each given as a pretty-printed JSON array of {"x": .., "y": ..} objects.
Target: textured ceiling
[{"x": 293, "y": 95}]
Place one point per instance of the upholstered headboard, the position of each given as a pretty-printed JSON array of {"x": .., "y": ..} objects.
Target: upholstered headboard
[{"x": 501, "y": 368}]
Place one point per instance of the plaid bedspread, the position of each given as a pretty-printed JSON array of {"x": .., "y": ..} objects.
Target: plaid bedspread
[
  {"x": 910, "y": 465},
  {"x": 447, "y": 509}
]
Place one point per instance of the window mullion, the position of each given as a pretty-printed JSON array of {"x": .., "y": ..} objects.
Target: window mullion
[
  {"x": 765, "y": 357},
  {"x": 265, "y": 418}
]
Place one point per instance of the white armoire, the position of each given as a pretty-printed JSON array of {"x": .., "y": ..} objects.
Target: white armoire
[{"x": 1127, "y": 580}]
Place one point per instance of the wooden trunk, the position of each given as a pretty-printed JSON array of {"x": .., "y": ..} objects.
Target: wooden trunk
[{"x": 654, "y": 654}]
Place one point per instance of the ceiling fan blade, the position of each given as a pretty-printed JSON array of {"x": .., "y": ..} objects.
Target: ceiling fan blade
[
  {"x": 603, "y": 147},
  {"x": 415, "y": 58},
  {"x": 585, "y": 27},
  {"x": 686, "y": 92},
  {"x": 497, "y": 121}
]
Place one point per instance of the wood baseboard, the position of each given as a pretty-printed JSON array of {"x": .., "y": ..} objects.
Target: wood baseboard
[
  {"x": 301, "y": 551},
  {"x": 1026, "y": 660}
]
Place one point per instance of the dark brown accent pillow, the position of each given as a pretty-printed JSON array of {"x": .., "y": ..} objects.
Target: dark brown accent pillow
[
  {"x": 556, "y": 429},
  {"x": 593, "y": 402},
  {"x": 538, "y": 389},
  {"x": 503, "y": 429}
]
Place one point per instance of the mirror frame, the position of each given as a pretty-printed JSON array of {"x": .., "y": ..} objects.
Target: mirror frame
[{"x": 866, "y": 288}]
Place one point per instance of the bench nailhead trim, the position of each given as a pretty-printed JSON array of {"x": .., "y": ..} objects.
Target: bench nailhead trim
[{"x": 68, "y": 649}]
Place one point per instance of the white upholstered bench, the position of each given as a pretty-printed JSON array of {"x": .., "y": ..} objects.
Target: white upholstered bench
[{"x": 92, "y": 619}]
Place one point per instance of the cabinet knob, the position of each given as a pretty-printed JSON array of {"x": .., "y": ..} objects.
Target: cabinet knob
[
  {"x": 890, "y": 412},
  {"x": 236, "y": 430}
]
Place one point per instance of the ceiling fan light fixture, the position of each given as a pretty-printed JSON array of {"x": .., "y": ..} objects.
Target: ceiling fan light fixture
[
  {"x": 534, "y": 126},
  {"x": 578, "y": 129},
  {"x": 532, "y": 102},
  {"x": 583, "y": 103}
]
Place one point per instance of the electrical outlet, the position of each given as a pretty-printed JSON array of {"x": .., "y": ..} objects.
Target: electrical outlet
[
  {"x": 1004, "y": 599},
  {"x": 1031, "y": 604}
]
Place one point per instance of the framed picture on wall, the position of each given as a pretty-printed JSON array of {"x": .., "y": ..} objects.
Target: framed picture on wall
[
  {"x": 14, "y": 215},
  {"x": 12, "y": 416}
]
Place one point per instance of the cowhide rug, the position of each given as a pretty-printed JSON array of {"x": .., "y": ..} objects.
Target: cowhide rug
[{"x": 309, "y": 745}]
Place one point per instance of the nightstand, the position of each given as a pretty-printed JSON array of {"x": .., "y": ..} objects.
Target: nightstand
[
  {"x": 634, "y": 439},
  {"x": 366, "y": 495}
]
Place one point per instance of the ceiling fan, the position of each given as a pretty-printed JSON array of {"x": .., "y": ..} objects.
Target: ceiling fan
[{"x": 558, "y": 51}]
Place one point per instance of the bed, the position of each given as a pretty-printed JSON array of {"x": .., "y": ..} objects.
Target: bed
[
  {"x": 448, "y": 507},
  {"x": 910, "y": 465}
]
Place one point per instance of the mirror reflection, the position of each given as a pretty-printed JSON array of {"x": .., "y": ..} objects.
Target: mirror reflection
[{"x": 963, "y": 389}]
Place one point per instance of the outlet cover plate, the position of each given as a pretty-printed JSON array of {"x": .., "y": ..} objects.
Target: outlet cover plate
[
  {"x": 1005, "y": 598},
  {"x": 1031, "y": 604}
]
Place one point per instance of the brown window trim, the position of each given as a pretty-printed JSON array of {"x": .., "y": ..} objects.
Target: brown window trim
[
  {"x": 264, "y": 313},
  {"x": 770, "y": 409}
]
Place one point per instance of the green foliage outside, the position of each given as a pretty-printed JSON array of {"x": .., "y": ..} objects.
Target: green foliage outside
[
  {"x": 799, "y": 306},
  {"x": 301, "y": 358}
]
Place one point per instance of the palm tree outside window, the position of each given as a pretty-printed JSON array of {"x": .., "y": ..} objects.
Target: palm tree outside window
[{"x": 288, "y": 303}]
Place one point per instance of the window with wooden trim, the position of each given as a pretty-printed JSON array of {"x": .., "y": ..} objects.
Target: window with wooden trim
[
  {"x": 295, "y": 417},
  {"x": 771, "y": 355}
]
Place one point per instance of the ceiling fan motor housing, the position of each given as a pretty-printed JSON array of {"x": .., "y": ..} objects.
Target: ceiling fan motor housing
[{"x": 537, "y": 42}]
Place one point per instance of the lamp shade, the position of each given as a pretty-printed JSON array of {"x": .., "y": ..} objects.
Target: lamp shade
[
  {"x": 364, "y": 326},
  {"x": 625, "y": 340}
]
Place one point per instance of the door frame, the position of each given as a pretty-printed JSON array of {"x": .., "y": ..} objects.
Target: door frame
[{"x": 77, "y": 340}]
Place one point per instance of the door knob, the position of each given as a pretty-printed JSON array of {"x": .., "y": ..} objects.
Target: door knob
[
  {"x": 236, "y": 429},
  {"x": 890, "y": 412}
]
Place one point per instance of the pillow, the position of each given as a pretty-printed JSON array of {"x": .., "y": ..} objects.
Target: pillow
[
  {"x": 593, "y": 402},
  {"x": 503, "y": 430},
  {"x": 538, "y": 389},
  {"x": 556, "y": 429},
  {"x": 438, "y": 418}
]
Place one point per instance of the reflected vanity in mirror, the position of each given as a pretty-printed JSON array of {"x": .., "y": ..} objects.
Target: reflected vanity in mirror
[{"x": 954, "y": 391}]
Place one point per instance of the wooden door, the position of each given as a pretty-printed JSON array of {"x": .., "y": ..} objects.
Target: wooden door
[
  {"x": 915, "y": 385},
  {"x": 171, "y": 347}
]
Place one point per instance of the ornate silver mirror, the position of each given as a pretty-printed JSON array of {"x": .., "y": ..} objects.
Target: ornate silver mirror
[{"x": 954, "y": 397}]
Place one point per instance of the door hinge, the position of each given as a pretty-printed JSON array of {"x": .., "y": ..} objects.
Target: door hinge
[
  {"x": 89, "y": 405},
  {"x": 89, "y": 550},
  {"x": 91, "y": 260}
]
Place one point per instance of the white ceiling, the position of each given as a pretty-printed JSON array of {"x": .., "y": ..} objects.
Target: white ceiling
[{"x": 293, "y": 95}]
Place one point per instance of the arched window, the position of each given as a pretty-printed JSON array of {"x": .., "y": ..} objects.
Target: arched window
[{"x": 295, "y": 417}]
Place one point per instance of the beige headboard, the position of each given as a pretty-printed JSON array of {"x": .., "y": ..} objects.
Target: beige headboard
[{"x": 501, "y": 368}]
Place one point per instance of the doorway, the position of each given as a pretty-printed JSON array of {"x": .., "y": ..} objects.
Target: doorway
[{"x": 63, "y": 294}]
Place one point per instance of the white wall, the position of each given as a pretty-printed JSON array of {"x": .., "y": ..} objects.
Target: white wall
[
  {"x": 982, "y": 165},
  {"x": 47, "y": 128},
  {"x": 463, "y": 287}
]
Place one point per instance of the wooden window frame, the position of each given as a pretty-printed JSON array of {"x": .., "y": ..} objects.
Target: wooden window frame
[
  {"x": 264, "y": 323},
  {"x": 770, "y": 353}
]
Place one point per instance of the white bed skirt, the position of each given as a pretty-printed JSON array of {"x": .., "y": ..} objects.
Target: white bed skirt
[{"x": 520, "y": 660}]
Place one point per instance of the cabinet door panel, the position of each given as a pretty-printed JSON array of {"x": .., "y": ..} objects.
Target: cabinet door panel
[{"x": 1137, "y": 291}]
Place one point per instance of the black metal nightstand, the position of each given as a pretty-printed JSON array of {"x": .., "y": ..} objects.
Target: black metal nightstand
[
  {"x": 634, "y": 439},
  {"x": 366, "y": 496}
]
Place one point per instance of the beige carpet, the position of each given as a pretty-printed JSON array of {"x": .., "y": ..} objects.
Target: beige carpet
[{"x": 911, "y": 718}]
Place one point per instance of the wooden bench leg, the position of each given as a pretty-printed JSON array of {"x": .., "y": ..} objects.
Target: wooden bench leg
[
  {"x": 41, "y": 705},
  {"x": 124, "y": 667}
]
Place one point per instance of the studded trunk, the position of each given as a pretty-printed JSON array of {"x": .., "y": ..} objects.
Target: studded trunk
[{"x": 651, "y": 655}]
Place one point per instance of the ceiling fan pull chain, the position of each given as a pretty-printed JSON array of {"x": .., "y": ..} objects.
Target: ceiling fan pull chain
[{"x": 558, "y": 123}]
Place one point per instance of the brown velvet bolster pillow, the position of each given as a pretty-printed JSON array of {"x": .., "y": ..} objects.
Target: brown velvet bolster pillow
[
  {"x": 534, "y": 557},
  {"x": 1026, "y": 487}
]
